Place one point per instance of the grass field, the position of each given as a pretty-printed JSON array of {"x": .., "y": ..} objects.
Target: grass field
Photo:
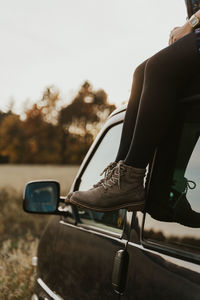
[
  {"x": 19, "y": 231},
  {"x": 16, "y": 176}
]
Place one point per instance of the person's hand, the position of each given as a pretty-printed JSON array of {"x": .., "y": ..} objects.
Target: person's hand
[{"x": 179, "y": 32}]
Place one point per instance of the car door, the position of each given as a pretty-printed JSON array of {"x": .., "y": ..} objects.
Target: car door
[
  {"x": 87, "y": 247},
  {"x": 164, "y": 247}
]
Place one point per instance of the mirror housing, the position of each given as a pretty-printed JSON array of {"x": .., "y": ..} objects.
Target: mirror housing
[{"x": 42, "y": 197}]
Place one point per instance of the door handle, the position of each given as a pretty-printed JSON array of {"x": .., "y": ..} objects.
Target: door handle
[{"x": 120, "y": 270}]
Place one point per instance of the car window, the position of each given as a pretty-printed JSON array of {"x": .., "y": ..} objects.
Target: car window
[
  {"x": 174, "y": 220},
  {"x": 105, "y": 153}
]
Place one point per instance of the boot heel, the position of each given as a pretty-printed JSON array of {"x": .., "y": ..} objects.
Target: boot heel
[{"x": 136, "y": 208}]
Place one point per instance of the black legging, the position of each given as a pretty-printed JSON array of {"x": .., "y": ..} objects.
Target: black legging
[{"x": 157, "y": 84}]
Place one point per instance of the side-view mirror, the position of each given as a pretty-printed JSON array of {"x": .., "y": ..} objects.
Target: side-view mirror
[{"x": 42, "y": 197}]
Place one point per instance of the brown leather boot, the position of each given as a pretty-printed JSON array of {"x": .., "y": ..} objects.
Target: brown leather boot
[{"x": 122, "y": 189}]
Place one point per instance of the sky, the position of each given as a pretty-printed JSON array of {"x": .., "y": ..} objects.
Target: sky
[{"x": 65, "y": 42}]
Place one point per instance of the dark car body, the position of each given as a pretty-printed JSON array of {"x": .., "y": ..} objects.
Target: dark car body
[{"x": 87, "y": 255}]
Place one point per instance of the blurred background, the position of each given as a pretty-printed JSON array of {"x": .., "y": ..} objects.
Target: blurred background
[{"x": 65, "y": 65}]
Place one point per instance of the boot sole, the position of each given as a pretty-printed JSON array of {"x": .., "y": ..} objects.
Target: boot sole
[{"x": 138, "y": 206}]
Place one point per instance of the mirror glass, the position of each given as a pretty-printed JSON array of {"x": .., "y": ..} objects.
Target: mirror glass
[{"x": 41, "y": 196}]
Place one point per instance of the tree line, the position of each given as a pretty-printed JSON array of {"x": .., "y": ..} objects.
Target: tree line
[{"x": 51, "y": 133}]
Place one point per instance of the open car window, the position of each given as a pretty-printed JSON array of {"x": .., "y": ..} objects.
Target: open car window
[{"x": 173, "y": 211}]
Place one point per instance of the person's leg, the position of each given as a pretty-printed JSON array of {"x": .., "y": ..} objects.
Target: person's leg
[
  {"x": 165, "y": 75},
  {"x": 131, "y": 112},
  {"x": 129, "y": 120}
]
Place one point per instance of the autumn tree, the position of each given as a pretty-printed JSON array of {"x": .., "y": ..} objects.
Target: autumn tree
[
  {"x": 51, "y": 132},
  {"x": 81, "y": 120},
  {"x": 49, "y": 104},
  {"x": 35, "y": 139},
  {"x": 3, "y": 115},
  {"x": 41, "y": 131},
  {"x": 11, "y": 137}
]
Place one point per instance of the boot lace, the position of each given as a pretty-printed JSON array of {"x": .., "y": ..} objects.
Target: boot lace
[
  {"x": 190, "y": 184},
  {"x": 108, "y": 172},
  {"x": 114, "y": 178}
]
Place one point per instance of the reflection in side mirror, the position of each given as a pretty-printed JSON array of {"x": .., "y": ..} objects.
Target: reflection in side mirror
[{"x": 41, "y": 197}]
